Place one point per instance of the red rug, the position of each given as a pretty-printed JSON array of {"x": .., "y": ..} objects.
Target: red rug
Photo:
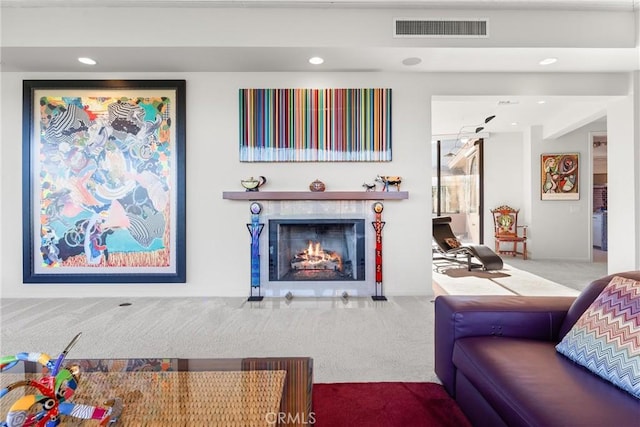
[{"x": 388, "y": 404}]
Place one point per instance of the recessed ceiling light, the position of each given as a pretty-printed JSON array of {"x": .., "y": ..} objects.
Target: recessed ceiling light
[
  {"x": 87, "y": 61},
  {"x": 316, "y": 60},
  {"x": 548, "y": 61},
  {"x": 411, "y": 61},
  {"x": 542, "y": 101},
  {"x": 514, "y": 123}
]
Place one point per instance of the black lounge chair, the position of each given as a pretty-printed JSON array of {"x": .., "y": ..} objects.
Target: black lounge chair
[{"x": 450, "y": 249}]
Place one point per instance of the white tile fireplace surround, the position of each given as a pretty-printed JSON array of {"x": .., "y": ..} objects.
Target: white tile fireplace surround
[
  {"x": 275, "y": 213},
  {"x": 341, "y": 220}
]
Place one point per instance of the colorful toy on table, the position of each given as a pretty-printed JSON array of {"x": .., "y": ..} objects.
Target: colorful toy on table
[{"x": 53, "y": 392}]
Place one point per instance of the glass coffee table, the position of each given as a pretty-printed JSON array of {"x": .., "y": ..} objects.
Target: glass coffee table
[{"x": 270, "y": 391}]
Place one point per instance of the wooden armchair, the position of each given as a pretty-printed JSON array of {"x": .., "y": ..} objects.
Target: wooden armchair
[{"x": 507, "y": 230}]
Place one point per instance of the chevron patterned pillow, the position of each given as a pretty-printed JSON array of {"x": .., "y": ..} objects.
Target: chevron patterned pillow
[{"x": 606, "y": 338}]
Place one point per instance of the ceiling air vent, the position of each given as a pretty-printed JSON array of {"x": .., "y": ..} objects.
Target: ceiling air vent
[{"x": 453, "y": 28}]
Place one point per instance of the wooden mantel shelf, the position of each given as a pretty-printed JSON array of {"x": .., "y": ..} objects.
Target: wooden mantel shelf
[{"x": 310, "y": 195}]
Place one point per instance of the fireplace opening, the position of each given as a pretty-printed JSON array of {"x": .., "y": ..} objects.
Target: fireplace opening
[{"x": 316, "y": 250}]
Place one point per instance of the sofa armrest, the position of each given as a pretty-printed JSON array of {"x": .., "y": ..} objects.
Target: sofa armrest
[{"x": 457, "y": 317}]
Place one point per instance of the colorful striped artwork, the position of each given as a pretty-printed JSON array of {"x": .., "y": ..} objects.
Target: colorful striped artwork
[{"x": 315, "y": 125}]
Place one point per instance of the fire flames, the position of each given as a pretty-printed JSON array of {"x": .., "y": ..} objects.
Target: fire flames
[{"x": 317, "y": 258}]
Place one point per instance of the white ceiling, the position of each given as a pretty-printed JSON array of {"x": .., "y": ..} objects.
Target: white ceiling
[
  {"x": 453, "y": 116},
  {"x": 337, "y": 59},
  {"x": 627, "y": 5},
  {"x": 449, "y": 113}
]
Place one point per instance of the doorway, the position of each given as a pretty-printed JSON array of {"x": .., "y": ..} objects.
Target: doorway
[
  {"x": 457, "y": 186},
  {"x": 599, "y": 219}
]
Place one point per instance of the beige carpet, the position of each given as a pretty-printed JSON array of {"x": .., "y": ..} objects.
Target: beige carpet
[{"x": 350, "y": 341}]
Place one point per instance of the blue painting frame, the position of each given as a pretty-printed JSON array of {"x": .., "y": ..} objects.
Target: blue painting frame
[{"x": 103, "y": 177}]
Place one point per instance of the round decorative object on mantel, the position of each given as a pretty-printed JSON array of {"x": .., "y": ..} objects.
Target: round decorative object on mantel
[{"x": 317, "y": 186}]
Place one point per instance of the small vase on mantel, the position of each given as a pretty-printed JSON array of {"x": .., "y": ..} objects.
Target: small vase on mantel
[{"x": 317, "y": 186}]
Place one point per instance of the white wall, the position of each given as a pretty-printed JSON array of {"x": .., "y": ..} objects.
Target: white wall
[
  {"x": 561, "y": 228},
  {"x": 503, "y": 178},
  {"x": 635, "y": 136},
  {"x": 217, "y": 240},
  {"x": 622, "y": 186}
]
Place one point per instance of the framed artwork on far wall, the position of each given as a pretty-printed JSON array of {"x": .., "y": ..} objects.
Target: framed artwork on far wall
[
  {"x": 104, "y": 181},
  {"x": 559, "y": 176}
]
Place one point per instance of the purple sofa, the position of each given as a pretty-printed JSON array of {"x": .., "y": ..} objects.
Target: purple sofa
[{"x": 496, "y": 356}]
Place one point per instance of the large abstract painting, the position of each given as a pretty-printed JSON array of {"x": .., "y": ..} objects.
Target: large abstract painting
[
  {"x": 315, "y": 125},
  {"x": 560, "y": 176},
  {"x": 103, "y": 181}
]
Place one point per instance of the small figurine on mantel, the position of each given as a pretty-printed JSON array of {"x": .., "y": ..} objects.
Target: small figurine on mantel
[
  {"x": 389, "y": 181},
  {"x": 369, "y": 187},
  {"x": 253, "y": 184}
]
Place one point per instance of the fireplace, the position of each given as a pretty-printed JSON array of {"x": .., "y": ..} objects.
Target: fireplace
[{"x": 307, "y": 250}]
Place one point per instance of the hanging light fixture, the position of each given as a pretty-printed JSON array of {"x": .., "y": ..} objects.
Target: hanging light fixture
[
  {"x": 487, "y": 120},
  {"x": 479, "y": 128}
]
